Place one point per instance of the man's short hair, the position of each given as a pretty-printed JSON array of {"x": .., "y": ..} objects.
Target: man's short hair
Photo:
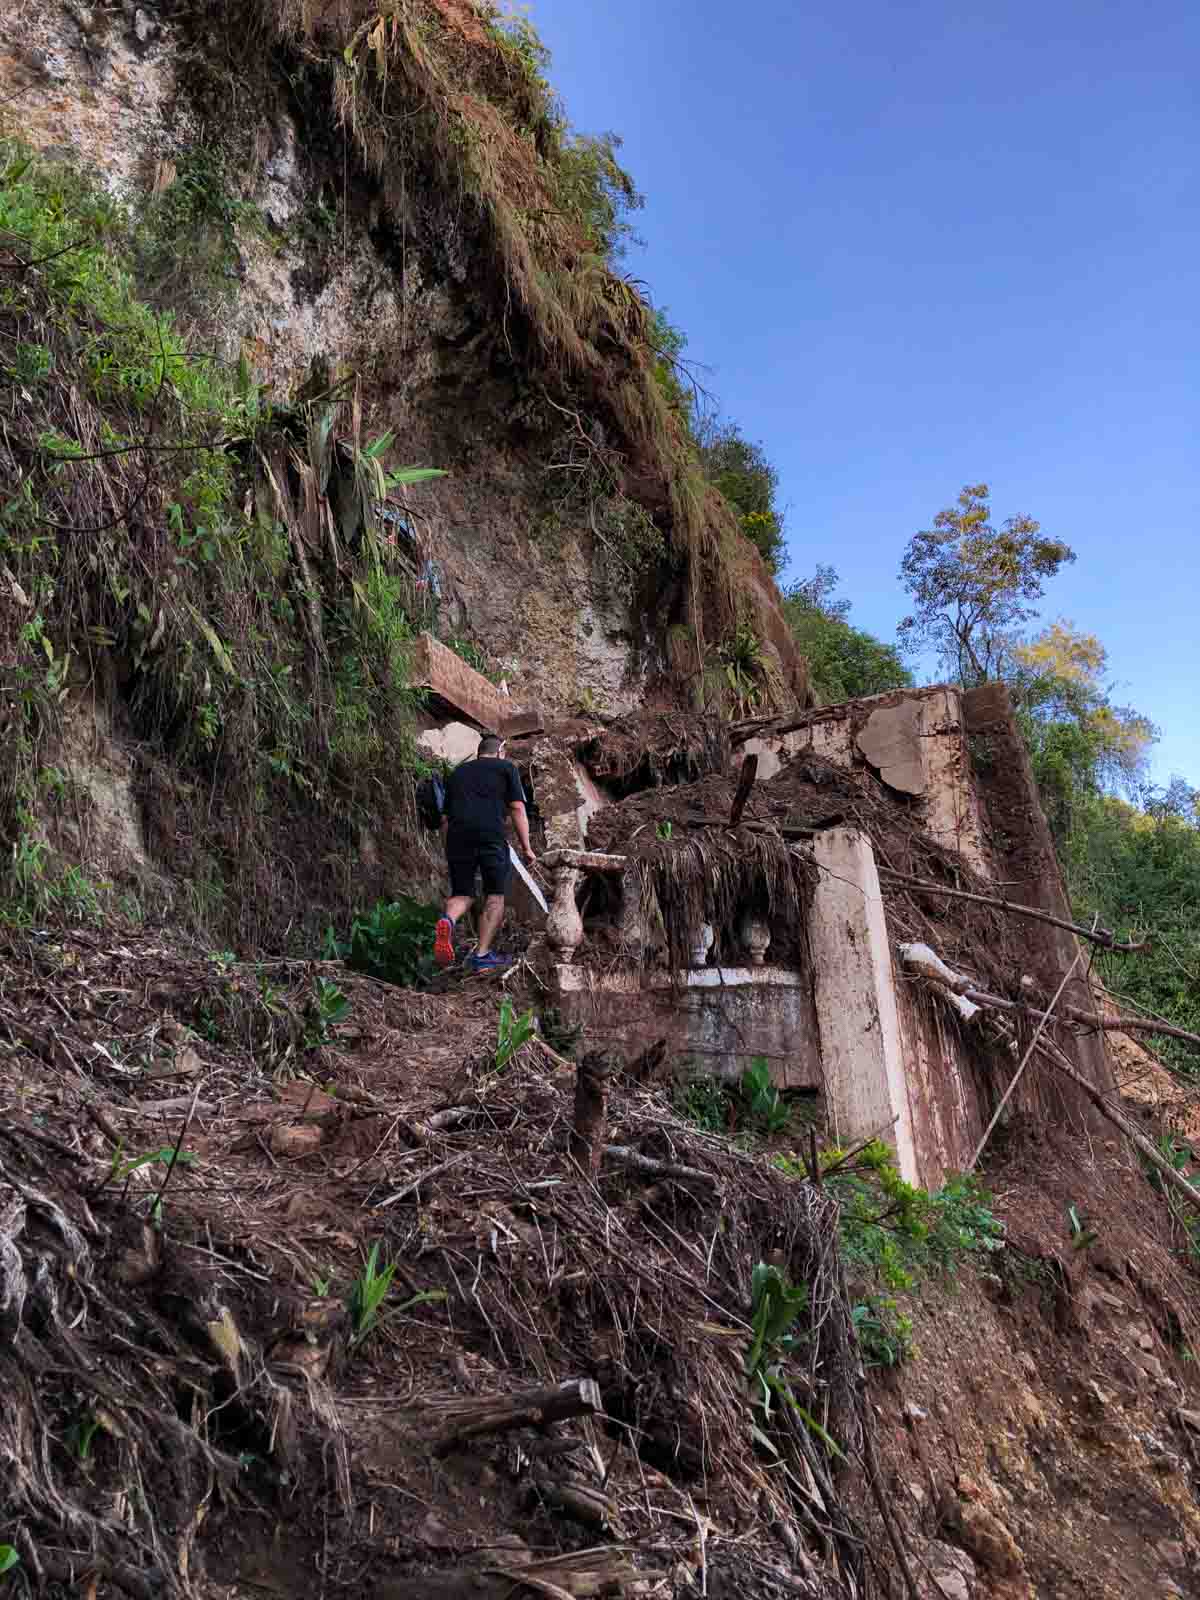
[{"x": 490, "y": 745}]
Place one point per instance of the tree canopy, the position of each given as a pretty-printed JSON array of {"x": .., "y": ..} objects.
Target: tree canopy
[
  {"x": 973, "y": 584},
  {"x": 1080, "y": 743},
  {"x": 741, "y": 471}
]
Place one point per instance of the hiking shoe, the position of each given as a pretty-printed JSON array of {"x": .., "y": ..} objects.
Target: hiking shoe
[
  {"x": 489, "y": 963},
  {"x": 443, "y": 943}
]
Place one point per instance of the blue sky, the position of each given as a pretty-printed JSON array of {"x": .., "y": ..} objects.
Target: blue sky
[{"x": 922, "y": 245}]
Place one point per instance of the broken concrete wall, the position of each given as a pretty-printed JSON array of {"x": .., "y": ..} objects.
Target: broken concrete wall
[
  {"x": 893, "y": 1058},
  {"x": 714, "y": 1020},
  {"x": 911, "y": 740}
]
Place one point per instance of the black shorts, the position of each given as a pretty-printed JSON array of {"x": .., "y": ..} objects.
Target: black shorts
[{"x": 467, "y": 853}]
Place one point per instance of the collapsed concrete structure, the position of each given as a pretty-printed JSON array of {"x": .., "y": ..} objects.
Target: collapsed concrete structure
[{"x": 790, "y": 933}]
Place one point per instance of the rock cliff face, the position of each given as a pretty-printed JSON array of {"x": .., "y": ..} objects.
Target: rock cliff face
[{"x": 375, "y": 259}]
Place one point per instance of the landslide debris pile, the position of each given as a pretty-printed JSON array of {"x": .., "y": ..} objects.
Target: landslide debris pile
[
  {"x": 192, "y": 1175},
  {"x": 680, "y": 838}
]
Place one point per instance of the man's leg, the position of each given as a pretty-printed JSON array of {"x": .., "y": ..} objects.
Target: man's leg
[
  {"x": 490, "y": 919},
  {"x": 461, "y": 865},
  {"x": 443, "y": 934}
]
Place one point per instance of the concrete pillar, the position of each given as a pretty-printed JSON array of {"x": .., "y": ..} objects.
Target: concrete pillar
[{"x": 861, "y": 1053}]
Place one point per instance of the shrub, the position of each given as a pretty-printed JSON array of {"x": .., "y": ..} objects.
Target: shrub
[
  {"x": 884, "y": 1332},
  {"x": 393, "y": 941}
]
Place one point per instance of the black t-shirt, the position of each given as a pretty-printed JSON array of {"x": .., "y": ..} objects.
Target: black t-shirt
[{"x": 479, "y": 792}]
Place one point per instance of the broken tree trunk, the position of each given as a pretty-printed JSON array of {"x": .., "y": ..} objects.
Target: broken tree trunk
[
  {"x": 590, "y": 1127},
  {"x": 745, "y": 783},
  {"x": 533, "y": 1407}
]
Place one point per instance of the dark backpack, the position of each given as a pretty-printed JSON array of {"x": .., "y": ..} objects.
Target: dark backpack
[{"x": 431, "y": 799}]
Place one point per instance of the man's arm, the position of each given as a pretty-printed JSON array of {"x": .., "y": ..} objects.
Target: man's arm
[{"x": 520, "y": 822}]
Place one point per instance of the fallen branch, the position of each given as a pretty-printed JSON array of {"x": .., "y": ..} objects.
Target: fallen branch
[
  {"x": 928, "y": 964},
  {"x": 1101, "y": 936},
  {"x": 532, "y": 1408},
  {"x": 1144, "y": 1146},
  {"x": 766, "y": 727},
  {"x": 416, "y": 1183},
  {"x": 1086, "y": 1019},
  {"x": 637, "y": 1162},
  {"x": 1130, "y": 1025},
  {"x": 959, "y": 989},
  {"x": 887, "y": 1516}
]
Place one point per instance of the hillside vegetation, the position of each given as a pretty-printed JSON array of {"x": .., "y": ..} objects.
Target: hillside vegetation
[{"x": 226, "y": 570}]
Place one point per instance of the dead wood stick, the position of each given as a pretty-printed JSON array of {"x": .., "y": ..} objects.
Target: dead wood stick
[
  {"x": 1130, "y": 1025},
  {"x": 580, "y": 1397},
  {"x": 886, "y": 1514},
  {"x": 1178, "y": 1182},
  {"x": 590, "y": 1124},
  {"x": 582, "y": 1500},
  {"x": 1025, "y": 1059},
  {"x": 637, "y": 1162},
  {"x": 1100, "y": 936},
  {"x": 739, "y": 732},
  {"x": 430, "y": 1172},
  {"x": 451, "y": 1117},
  {"x": 784, "y": 831},
  {"x": 745, "y": 783},
  {"x": 94, "y": 1114},
  {"x": 187, "y": 1122},
  {"x": 572, "y": 1576}
]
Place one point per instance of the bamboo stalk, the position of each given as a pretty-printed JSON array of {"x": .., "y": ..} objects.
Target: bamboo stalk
[
  {"x": 1016, "y": 1077},
  {"x": 1119, "y": 1120}
]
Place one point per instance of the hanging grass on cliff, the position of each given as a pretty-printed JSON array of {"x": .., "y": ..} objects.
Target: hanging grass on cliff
[
  {"x": 451, "y": 102},
  {"x": 207, "y": 566}
]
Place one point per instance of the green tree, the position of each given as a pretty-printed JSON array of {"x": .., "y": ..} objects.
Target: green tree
[
  {"x": 1080, "y": 743},
  {"x": 972, "y": 584},
  {"x": 844, "y": 662},
  {"x": 1138, "y": 867},
  {"x": 667, "y": 344},
  {"x": 741, "y": 471}
]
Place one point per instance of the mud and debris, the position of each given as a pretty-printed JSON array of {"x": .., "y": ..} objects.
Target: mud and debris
[
  {"x": 195, "y": 1188},
  {"x": 190, "y": 1409}
]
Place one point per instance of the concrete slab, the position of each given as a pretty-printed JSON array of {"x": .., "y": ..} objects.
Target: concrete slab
[
  {"x": 434, "y": 667},
  {"x": 891, "y": 742},
  {"x": 453, "y": 741}
]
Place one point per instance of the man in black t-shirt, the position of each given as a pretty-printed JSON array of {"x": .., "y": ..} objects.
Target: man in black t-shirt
[{"x": 479, "y": 796}]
